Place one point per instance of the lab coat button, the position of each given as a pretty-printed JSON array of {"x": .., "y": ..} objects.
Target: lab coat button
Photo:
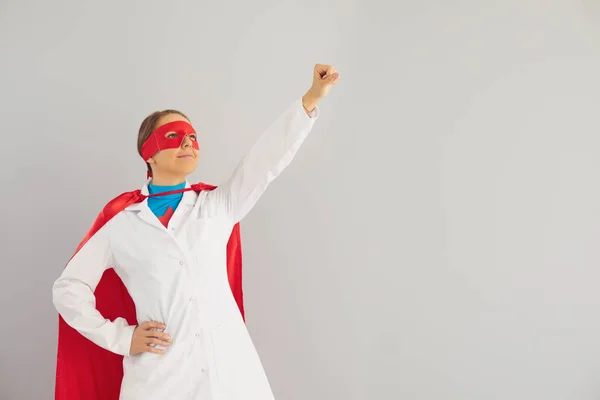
[
  {"x": 181, "y": 262},
  {"x": 203, "y": 370}
]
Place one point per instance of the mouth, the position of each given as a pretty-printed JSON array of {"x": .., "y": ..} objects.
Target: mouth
[{"x": 185, "y": 156}]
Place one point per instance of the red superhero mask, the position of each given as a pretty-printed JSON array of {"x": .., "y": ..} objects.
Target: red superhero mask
[{"x": 159, "y": 140}]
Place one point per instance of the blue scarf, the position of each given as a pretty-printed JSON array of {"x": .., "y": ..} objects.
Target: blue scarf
[{"x": 160, "y": 204}]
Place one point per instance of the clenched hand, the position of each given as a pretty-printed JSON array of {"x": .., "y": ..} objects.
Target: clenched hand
[{"x": 324, "y": 77}]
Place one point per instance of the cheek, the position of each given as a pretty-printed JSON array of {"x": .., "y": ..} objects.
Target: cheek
[{"x": 166, "y": 156}]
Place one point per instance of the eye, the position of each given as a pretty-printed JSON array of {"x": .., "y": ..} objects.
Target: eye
[
  {"x": 171, "y": 135},
  {"x": 193, "y": 137}
]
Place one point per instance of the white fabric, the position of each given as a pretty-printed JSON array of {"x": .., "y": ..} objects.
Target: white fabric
[{"x": 178, "y": 276}]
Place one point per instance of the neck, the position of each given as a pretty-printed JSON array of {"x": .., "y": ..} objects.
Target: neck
[{"x": 161, "y": 180}]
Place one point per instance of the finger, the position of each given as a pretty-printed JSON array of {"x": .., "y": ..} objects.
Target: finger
[
  {"x": 144, "y": 325},
  {"x": 321, "y": 70},
  {"x": 158, "y": 342},
  {"x": 334, "y": 77},
  {"x": 153, "y": 325},
  {"x": 158, "y": 334},
  {"x": 154, "y": 350},
  {"x": 330, "y": 73}
]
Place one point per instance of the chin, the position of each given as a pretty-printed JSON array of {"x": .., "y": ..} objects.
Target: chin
[
  {"x": 183, "y": 169},
  {"x": 188, "y": 171}
]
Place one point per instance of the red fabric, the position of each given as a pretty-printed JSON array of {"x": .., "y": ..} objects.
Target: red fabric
[
  {"x": 158, "y": 140},
  {"x": 164, "y": 219},
  {"x": 85, "y": 371}
]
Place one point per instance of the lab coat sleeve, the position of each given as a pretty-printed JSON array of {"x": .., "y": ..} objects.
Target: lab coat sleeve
[
  {"x": 267, "y": 158},
  {"x": 73, "y": 296}
]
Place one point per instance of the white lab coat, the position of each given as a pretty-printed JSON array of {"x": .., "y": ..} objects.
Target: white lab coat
[{"x": 178, "y": 276}]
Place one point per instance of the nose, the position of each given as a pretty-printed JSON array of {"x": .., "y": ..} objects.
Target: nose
[{"x": 186, "y": 142}]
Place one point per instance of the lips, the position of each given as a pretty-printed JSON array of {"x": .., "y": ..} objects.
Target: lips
[{"x": 185, "y": 156}]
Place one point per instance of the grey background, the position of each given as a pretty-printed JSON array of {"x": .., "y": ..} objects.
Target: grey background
[{"x": 436, "y": 237}]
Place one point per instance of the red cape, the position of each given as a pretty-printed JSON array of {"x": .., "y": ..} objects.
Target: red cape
[{"x": 86, "y": 371}]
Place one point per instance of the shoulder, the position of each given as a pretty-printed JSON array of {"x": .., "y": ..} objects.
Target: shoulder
[
  {"x": 122, "y": 201},
  {"x": 212, "y": 200},
  {"x": 201, "y": 186},
  {"x": 206, "y": 193},
  {"x": 100, "y": 225},
  {"x": 116, "y": 205}
]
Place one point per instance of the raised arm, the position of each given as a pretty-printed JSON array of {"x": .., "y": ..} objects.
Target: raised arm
[{"x": 275, "y": 148}]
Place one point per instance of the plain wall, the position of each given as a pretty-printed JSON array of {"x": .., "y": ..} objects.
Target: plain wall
[{"x": 435, "y": 238}]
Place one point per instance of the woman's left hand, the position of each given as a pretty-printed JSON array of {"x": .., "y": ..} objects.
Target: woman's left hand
[{"x": 324, "y": 77}]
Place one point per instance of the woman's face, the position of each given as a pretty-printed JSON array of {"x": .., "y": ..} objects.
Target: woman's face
[{"x": 179, "y": 161}]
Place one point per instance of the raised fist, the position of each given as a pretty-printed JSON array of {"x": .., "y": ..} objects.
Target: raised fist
[{"x": 324, "y": 77}]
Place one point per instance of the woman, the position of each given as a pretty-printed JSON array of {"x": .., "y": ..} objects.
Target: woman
[{"x": 170, "y": 252}]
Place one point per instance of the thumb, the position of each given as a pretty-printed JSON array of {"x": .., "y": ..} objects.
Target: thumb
[{"x": 332, "y": 78}]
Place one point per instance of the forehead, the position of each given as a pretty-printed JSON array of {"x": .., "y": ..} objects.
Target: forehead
[{"x": 165, "y": 119}]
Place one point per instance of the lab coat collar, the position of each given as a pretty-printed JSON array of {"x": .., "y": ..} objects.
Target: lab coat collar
[{"x": 189, "y": 197}]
